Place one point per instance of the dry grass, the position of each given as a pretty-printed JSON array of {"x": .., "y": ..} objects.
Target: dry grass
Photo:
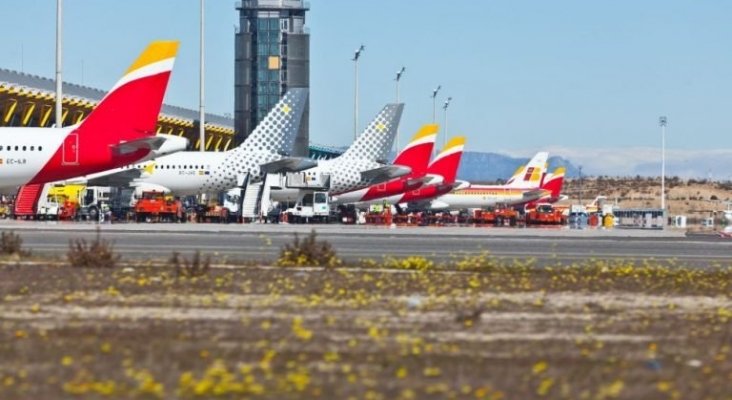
[
  {"x": 193, "y": 268},
  {"x": 11, "y": 244},
  {"x": 474, "y": 328},
  {"x": 308, "y": 252},
  {"x": 98, "y": 253}
]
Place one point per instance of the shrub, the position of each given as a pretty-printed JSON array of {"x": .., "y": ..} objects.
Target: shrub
[
  {"x": 96, "y": 254},
  {"x": 193, "y": 268},
  {"x": 11, "y": 244},
  {"x": 308, "y": 252},
  {"x": 413, "y": 263}
]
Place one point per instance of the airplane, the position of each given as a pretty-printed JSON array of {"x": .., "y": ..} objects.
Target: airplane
[
  {"x": 360, "y": 166},
  {"x": 523, "y": 187},
  {"x": 195, "y": 172},
  {"x": 442, "y": 170},
  {"x": 119, "y": 131},
  {"x": 552, "y": 186},
  {"x": 415, "y": 155}
]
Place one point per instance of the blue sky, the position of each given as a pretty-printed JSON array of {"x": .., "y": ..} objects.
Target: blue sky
[{"x": 523, "y": 75}]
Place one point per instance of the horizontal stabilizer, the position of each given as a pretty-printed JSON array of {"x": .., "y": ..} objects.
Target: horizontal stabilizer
[
  {"x": 288, "y": 164},
  {"x": 120, "y": 178},
  {"x": 536, "y": 194},
  {"x": 385, "y": 173},
  {"x": 149, "y": 143},
  {"x": 460, "y": 185}
]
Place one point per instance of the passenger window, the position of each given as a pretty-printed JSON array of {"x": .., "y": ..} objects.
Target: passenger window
[
  {"x": 16, "y": 148},
  {"x": 33, "y": 148},
  {"x": 24, "y": 147},
  {"x": 40, "y": 148}
]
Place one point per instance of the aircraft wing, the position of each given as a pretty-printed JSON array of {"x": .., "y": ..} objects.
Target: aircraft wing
[
  {"x": 288, "y": 164},
  {"x": 117, "y": 178},
  {"x": 150, "y": 143},
  {"x": 385, "y": 173}
]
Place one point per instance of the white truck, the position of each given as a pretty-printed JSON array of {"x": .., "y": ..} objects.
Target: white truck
[{"x": 312, "y": 207}]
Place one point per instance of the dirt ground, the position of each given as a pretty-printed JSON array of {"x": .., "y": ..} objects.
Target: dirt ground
[
  {"x": 696, "y": 199},
  {"x": 475, "y": 329}
]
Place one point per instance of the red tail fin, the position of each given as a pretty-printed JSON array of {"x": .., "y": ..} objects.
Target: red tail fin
[
  {"x": 128, "y": 113},
  {"x": 130, "y": 110},
  {"x": 416, "y": 154},
  {"x": 446, "y": 163},
  {"x": 555, "y": 182}
]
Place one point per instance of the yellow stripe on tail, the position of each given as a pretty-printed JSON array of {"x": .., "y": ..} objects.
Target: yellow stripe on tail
[
  {"x": 156, "y": 51},
  {"x": 426, "y": 130}
]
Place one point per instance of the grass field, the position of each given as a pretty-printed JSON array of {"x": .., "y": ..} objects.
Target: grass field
[{"x": 474, "y": 328}]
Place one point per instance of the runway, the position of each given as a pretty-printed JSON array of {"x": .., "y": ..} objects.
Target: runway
[{"x": 259, "y": 242}]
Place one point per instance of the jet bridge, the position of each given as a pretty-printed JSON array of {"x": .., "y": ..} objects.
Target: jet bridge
[{"x": 301, "y": 180}]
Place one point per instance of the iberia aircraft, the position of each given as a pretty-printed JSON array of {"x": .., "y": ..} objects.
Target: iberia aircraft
[
  {"x": 442, "y": 171},
  {"x": 415, "y": 155},
  {"x": 119, "y": 131},
  {"x": 552, "y": 186},
  {"x": 523, "y": 187},
  {"x": 196, "y": 172},
  {"x": 362, "y": 165}
]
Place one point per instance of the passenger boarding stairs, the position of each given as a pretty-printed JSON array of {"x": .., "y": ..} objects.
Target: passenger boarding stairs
[
  {"x": 251, "y": 200},
  {"x": 27, "y": 200}
]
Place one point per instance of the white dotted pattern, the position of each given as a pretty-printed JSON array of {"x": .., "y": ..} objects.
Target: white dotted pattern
[
  {"x": 372, "y": 146},
  {"x": 273, "y": 137},
  {"x": 377, "y": 139}
]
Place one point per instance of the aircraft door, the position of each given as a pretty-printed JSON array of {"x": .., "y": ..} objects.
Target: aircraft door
[{"x": 71, "y": 150}]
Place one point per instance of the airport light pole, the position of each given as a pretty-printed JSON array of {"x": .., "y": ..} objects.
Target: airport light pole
[
  {"x": 397, "y": 79},
  {"x": 434, "y": 103},
  {"x": 580, "y": 185},
  {"x": 201, "y": 107},
  {"x": 59, "y": 30},
  {"x": 356, "y": 56},
  {"x": 444, "y": 107},
  {"x": 663, "y": 121}
]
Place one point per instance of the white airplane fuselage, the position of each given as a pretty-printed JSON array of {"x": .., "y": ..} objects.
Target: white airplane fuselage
[
  {"x": 345, "y": 176},
  {"x": 482, "y": 197},
  {"x": 194, "y": 172},
  {"x": 25, "y": 151}
]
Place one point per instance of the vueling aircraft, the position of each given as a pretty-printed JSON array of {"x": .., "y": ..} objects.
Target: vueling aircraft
[
  {"x": 196, "y": 172},
  {"x": 119, "y": 131},
  {"x": 362, "y": 165},
  {"x": 416, "y": 155}
]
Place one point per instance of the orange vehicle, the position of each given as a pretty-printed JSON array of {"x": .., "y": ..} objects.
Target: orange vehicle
[
  {"x": 496, "y": 216},
  {"x": 155, "y": 207},
  {"x": 545, "y": 214}
]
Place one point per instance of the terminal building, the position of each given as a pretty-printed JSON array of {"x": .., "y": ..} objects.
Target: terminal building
[
  {"x": 272, "y": 54},
  {"x": 28, "y": 101}
]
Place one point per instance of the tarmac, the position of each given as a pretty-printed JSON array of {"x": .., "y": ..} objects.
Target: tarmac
[{"x": 262, "y": 242}]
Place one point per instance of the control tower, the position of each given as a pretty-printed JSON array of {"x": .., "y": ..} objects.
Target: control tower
[{"x": 272, "y": 55}]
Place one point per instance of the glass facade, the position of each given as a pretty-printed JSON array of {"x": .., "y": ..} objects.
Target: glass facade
[{"x": 272, "y": 55}]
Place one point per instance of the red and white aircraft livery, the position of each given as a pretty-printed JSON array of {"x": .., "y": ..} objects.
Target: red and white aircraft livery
[
  {"x": 552, "y": 187},
  {"x": 523, "y": 187},
  {"x": 415, "y": 155},
  {"x": 119, "y": 131},
  {"x": 443, "y": 171}
]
